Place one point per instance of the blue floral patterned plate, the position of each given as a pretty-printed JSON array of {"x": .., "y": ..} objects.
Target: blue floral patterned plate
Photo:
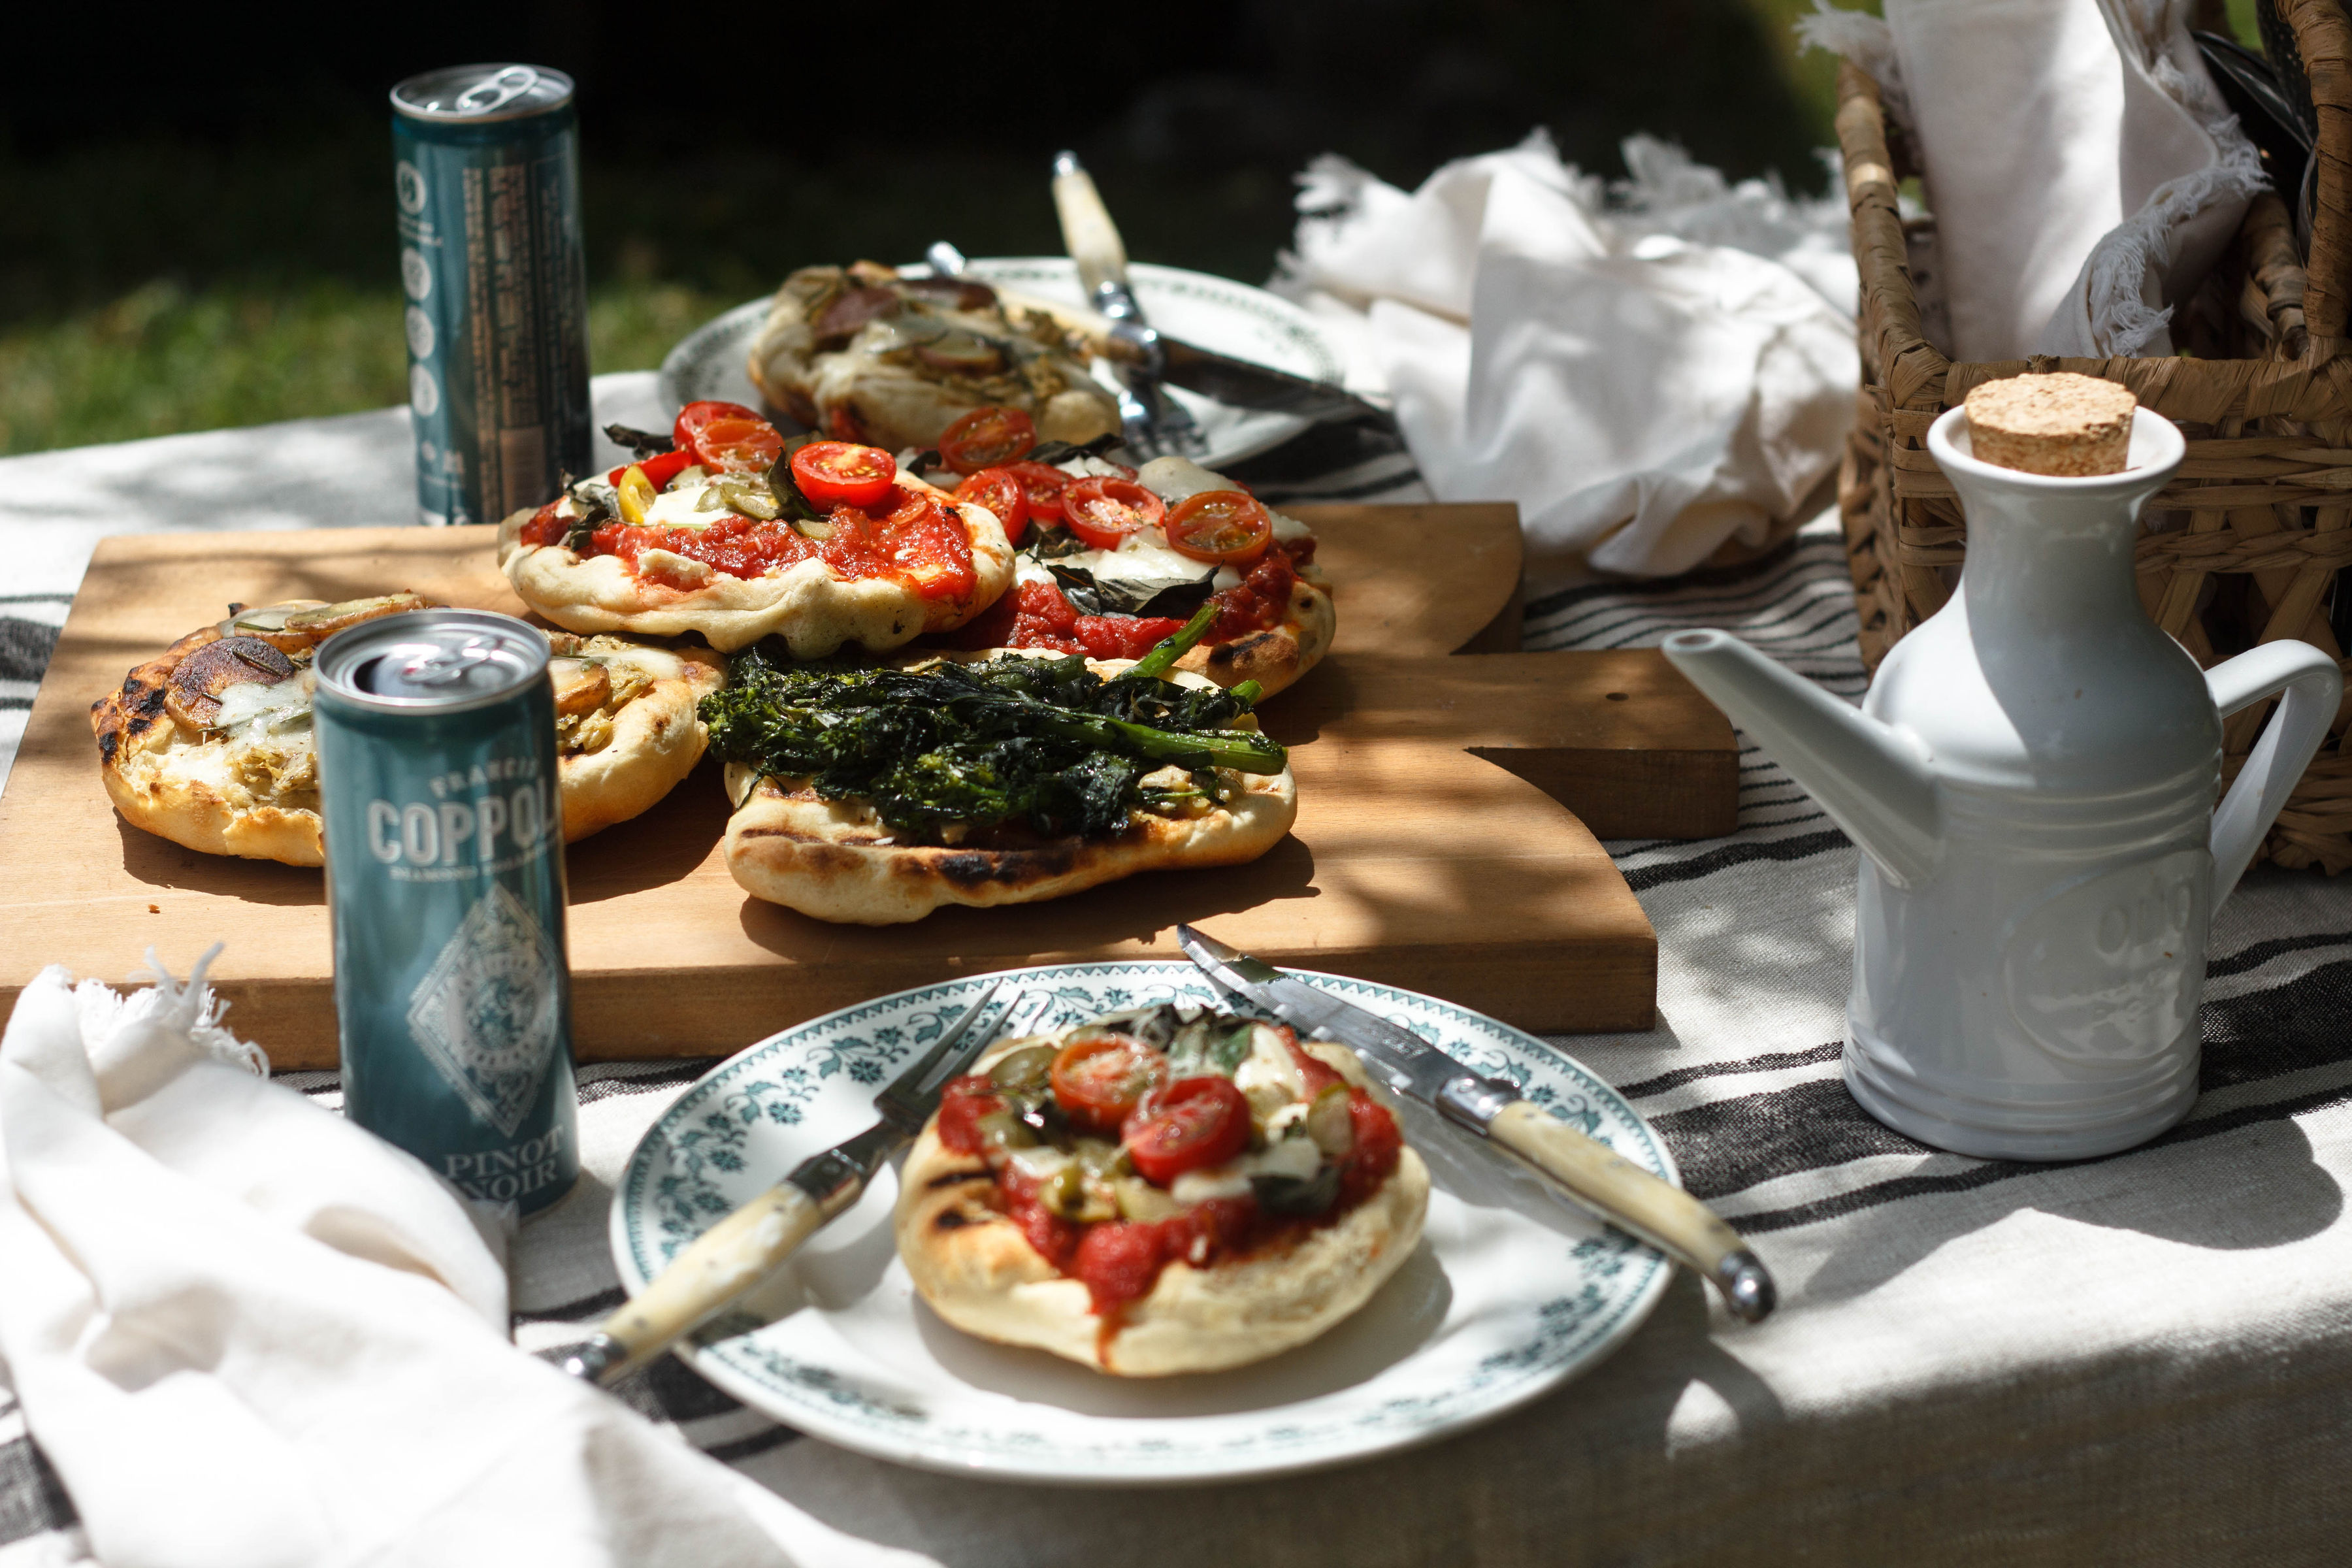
[{"x": 1511, "y": 1292}]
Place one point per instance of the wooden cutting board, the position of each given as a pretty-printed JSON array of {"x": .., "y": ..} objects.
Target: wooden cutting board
[{"x": 1417, "y": 860}]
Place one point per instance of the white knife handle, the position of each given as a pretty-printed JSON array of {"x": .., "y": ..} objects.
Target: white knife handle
[
  {"x": 1087, "y": 233},
  {"x": 1625, "y": 1195},
  {"x": 722, "y": 1265}
]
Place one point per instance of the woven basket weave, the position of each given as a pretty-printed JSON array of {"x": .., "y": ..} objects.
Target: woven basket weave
[{"x": 2245, "y": 545}]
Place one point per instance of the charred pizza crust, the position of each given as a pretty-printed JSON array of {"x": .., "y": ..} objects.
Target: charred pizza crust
[
  {"x": 256, "y": 796},
  {"x": 975, "y": 1268},
  {"x": 811, "y": 609},
  {"x": 1277, "y": 656},
  {"x": 861, "y": 354}
]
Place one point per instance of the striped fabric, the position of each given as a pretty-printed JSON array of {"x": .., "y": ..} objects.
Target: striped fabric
[{"x": 2040, "y": 1364}]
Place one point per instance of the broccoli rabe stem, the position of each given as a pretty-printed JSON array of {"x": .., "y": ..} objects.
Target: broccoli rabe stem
[{"x": 1177, "y": 644}]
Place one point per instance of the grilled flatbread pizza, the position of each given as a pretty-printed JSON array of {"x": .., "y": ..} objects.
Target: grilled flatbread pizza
[
  {"x": 860, "y": 353},
  {"x": 1112, "y": 559},
  {"x": 874, "y": 797},
  {"x": 722, "y": 535},
  {"x": 209, "y": 744},
  {"x": 1159, "y": 1192}
]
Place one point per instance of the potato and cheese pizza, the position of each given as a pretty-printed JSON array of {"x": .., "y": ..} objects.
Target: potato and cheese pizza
[
  {"x": 209, "y": 743},
  {"x": 861, "y": 354}
]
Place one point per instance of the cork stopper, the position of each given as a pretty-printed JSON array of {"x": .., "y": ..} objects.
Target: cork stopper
[{"x": 2063, "y": 424}]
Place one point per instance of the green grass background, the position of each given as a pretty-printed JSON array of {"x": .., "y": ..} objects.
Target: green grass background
[{"x": 164, "y": 286}]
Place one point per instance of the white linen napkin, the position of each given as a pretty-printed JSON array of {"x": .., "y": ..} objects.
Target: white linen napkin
[
  {"x": 250, "y": 1334},
  {"x": 1650, "y": 376},
  {"x": 2083, "y": 173}
]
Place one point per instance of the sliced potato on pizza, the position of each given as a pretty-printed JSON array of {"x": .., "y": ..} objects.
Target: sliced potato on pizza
[
  {"x": 715, "y": 535},
  {"x": 874, "y": 795},
  {"x": 1159, "y": 1192},
  {"x": 209, "y": 743},
  {"x": 1112, "y": 559},
  {"x": 860, "y": 353}
]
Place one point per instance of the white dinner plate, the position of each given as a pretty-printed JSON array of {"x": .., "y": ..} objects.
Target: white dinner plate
[
  {"x": 1510, "y": 1293},
  {"x": 1215, "y": 312}
]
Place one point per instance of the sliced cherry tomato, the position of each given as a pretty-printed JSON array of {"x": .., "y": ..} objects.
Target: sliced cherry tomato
[
  {"x": 728, "y": 438},
  {"x": 1044, "y": 484},
  {"x": 962, "y": 1102},
  {"x": 836, "y": 473},
  {"x": 1199, "y": 1123},
  {"x": 1376, "y": 1149},
  {"x": 1103, "y": 510},
  {"x": 695, "y": 415},
  {"x": 999, "y": 490},
  {"x": 1098, "y": 1081},
  {"x": 660, "y": 470},
  {"x": 986, "y": 437},
  {"x": 1223, "y": 526}
]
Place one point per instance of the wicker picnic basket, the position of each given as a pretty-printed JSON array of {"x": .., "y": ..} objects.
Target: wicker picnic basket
[{"x": 2245, "y": 546}]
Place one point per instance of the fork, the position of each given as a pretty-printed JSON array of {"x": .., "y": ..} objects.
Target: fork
[{"x": 726, "y": 1262}]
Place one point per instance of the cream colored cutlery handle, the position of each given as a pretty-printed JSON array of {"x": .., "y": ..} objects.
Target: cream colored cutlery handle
[
  {"x": 1087, "y": 233},
  {"x": 723, "y": 1263},
  {"x": 1657, "y": 1211}
]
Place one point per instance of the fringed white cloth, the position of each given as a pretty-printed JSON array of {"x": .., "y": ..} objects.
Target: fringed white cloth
[
  {"x": 1652, "y": 371},
  {"x": 249, "y": 1334},
  {"x": 2083, "y": 172}
]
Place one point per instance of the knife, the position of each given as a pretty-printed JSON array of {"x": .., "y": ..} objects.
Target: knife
[
  {"x": 724, "y": 1263},
  {"x": 1599, "y": 1179},
  {"x": 1150, "y": 420},
  {"x": 1236, "y": 382}
]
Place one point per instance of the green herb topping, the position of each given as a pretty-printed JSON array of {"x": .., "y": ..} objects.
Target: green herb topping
[{"x": 1047, "y": 742}]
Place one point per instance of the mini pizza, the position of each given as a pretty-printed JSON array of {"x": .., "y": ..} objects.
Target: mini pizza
[
  {"x": 1160, "y": 1191},
  {"x": 860, "y": 353},
  {"x": 723, "y": 535},
  {"x": 1112, "y": 559},
  {"x": 209, "y": 743},
  {"x": 874, "y": 797}
]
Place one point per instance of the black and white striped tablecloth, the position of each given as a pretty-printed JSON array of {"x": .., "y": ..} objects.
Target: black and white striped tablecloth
[{"x": 2144, "y": 1358}]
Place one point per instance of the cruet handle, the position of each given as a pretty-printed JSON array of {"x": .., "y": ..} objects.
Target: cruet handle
[{"x": 2314, "y": 687}]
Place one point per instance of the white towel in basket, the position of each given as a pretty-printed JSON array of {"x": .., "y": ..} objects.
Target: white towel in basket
[{"x": 2083, "y": 173}]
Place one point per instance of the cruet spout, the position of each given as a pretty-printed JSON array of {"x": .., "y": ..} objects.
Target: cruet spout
[{"x": 1877, "y": 782}]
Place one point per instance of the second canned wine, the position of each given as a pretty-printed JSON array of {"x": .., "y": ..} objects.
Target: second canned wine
[
  {"x": 487, "y": 172},
  {"x": 436, "y": 734}
]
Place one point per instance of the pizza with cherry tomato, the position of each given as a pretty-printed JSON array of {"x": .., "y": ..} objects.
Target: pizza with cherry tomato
[
  {"x": 860, "y": 353},
  {"x": 725, "y": 529},
  {"x": 1163, "y": 1191},
  {"x": 1111, "y": 559}
]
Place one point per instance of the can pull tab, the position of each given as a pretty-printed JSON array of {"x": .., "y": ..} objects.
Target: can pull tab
[
  {"x": 437, "y": 667},
  {"x": 494, "y": 93}
]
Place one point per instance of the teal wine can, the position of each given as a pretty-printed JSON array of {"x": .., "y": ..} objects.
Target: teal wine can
[
  {"x": 435, "y": 735},
  {"x": 486, "y": 170}
]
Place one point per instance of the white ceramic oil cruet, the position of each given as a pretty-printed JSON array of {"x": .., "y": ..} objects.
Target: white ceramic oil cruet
[{"x": 2032, "y": 781}]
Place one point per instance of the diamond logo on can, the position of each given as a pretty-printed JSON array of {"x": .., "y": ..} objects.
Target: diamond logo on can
[
  {"x": 486, "y": 1015},
  {"x": 409, "y": 182}
]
